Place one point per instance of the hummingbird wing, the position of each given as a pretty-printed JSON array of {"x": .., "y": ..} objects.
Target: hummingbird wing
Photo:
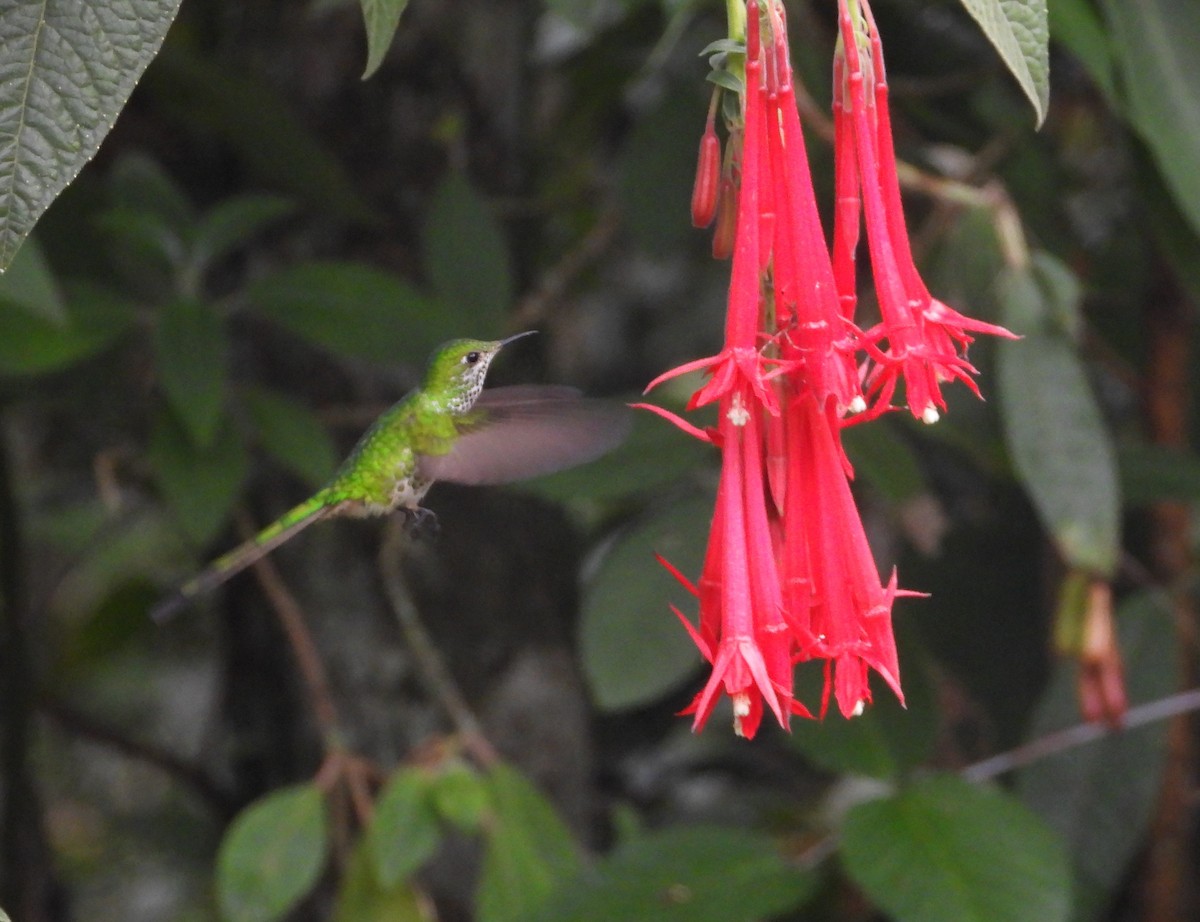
[{"x": 528, "y": 430}]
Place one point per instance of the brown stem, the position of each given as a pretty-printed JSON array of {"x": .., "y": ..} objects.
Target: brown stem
[
  {"x": 308, "y": 660},
  {"x": 439, "y": 683}
]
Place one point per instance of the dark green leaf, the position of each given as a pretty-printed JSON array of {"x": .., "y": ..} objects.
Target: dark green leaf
[
  {"x": 404, "y": 831},
  {"x": 634, "y": 649},
  {"x": 32, "y": 344},
  {"x": 466, "y": 256},
  {"x": 1100, "y": 798},
  {"x": 232, "y": 223},
  {"x": 66, "y": 69},
  {"x": 354, "y": 310},
  {"x": 381, "y": 18},
  {"x": 272, "y": 854},
  {"x": 292, "y": 435},
  {"x": 1077, "y": 26},
  {"x": 29, "y": 282},
  {"x": 1020, "y": 32},
  {"x": 200, "y": 485},
  {"x": 944, "y": 850},
  {"x": 529, "y": 851},
  {"x": 206, "y": 97},
  {"x": 692, "y": 874},
  {"x": 362, "y": 898},
  {"x": 1155, "y": 45},
  {"x": 1056, "y": 436},
  {"x": 189, "y": 352},
  {"x": 723, "y": 45},
  {"x": 725, "y": 80},
  {"x": 460, "y": 796}
]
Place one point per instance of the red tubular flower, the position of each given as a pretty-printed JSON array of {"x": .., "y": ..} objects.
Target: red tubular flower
[{"x": 926, "y": 340}]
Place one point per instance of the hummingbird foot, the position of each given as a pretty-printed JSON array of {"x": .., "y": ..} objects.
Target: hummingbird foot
[{"x": 422, "y": 522}]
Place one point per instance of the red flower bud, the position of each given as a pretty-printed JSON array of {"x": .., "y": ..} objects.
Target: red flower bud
[
  {"x": 726, "y": 229},
  {"x": 708, "y": 177}
]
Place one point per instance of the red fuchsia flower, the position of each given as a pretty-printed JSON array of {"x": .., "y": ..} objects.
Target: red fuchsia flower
[
  {"x": 788, "y": 575},
  {"x": 926, "y": 340}
]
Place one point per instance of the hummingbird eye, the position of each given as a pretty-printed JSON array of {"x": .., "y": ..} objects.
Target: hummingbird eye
[{"x": 471, "y": 358}]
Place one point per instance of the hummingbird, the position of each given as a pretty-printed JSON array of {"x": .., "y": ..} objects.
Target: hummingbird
[{"x": 450, "y": 429}]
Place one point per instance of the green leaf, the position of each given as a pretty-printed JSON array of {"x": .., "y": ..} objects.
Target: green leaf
[
  {"x": 634, "y": 649},
  {"x": 1056, "y": 435},
  {"x": 66, "y": 69},
  {"x": 1020, "y": 32},
  {"x": 362, "y": 898},
  {"x": 292, "y": 435},
  {"x": 30, "y": 283},
  {"x": 944, "y": 850},
  {"x": 189, "y": 352},
  {"x": 529, "y": 851},
  {"x": 355, "y": 311},
  {"x": 404, "y": 830},
  {"x": 1078, "y": 27},
  {"x": 205, "y": 96},
  {"x": 199, "y": 484},
  {"x": 272, "y": 854},
  {"x": 466, "y": 255},
  {"x": 460, "y": 796},
  {"x": 1100, "y": 798},
  {"x": 1155, "y": 45},
  {"x": 689, "y": 874},
  {"x": 381, "y": 18},
  {"x": 232, "y": 223},
  {"x": 32, "y": 344}
]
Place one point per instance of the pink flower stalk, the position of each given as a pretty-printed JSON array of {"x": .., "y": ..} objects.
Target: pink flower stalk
[{"x": 926, "y": 340}]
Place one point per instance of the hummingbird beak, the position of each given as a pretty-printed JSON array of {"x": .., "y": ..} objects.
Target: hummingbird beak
[{"x": 515, "y": 337}]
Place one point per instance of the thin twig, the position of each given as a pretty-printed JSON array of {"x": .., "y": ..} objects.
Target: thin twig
[
  {"x": 308, "y": 660},
  {"x": 1081, "y": 734},
  {"x": 435, "y": 674}
]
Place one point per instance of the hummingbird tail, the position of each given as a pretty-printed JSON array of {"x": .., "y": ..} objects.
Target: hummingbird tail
[{"x": 245, "y": 554}]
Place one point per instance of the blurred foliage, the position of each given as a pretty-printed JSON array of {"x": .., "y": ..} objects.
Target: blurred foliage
[{"x": 263, "y": 254}]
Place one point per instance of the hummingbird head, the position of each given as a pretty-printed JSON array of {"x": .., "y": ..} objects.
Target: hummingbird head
[{"x": 459, "y": 368}]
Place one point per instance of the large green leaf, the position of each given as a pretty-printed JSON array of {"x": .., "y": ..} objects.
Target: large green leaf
[
  {"x": 1155, "y": 44},
  {"x": 404, "y": 830},
  {"x": 199, "y": 484},
  {"x": 1100, "y": 798},
  {"x": 1020, "y": 32},
  {"x": 944, "y": 850},
  {"x": 354, "y": 310},
  {"x": 1077, "y": 25},
  {"x": 634, "y": 650},
  {"x": 31, "y": 343},
  {"x": 1056, "y": 435},
  {"x": 272, "y": 854},
  {"x": 189, "y": 352},
  {"x": 381, "y": 18},
  {"x": 30, "y": 283},
  {"x": 466, "y": 256},
  {"x": 363, "y": 898},
  {"x": 66, "y": 69},
  {"x": 529, "y": 851},
  {"x": 692, "y": 874},
  {"x": 292, "y": 435}
]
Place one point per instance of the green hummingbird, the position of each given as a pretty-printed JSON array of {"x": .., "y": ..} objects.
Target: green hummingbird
[{"x": 450, "y": 429}]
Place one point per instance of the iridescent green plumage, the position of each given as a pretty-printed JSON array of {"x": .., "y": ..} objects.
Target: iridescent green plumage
[{"x": 448, "y": 429}]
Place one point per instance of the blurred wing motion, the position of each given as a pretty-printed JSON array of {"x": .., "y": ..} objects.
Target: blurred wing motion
[{"x": 528, "y": 430}]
